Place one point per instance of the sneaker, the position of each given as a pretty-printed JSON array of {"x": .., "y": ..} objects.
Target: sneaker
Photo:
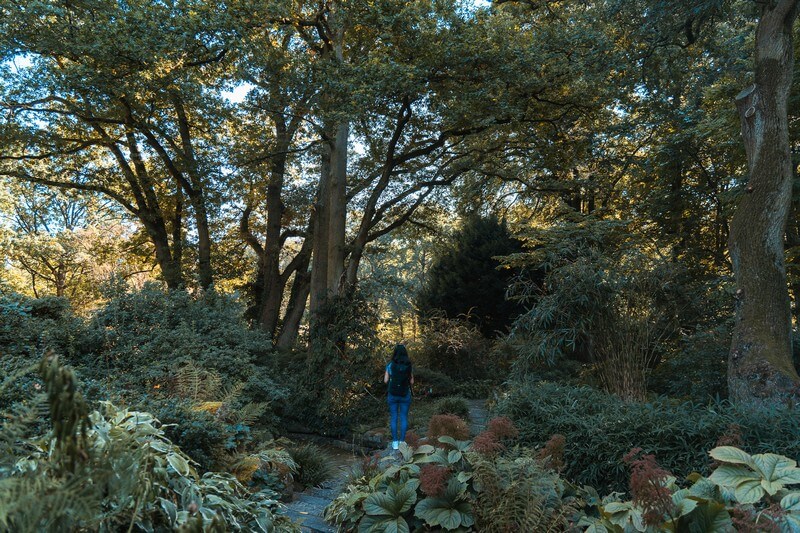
[{"x": 395, "y": 444}]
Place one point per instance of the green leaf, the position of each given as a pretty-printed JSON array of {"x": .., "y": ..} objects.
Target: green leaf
[
  {"x": 444, "y": 513},
  {"x": 382, "y": 524},
  {"x": 394, "y": 502},
  {"x": 453, "y": 457},
  {"x": 712, "y": 517},
  {"x": 749, "y": 491},
  {"x": 731, "y": 454},
  {"x": 733, "y": 476},
  {"x": 793, "y": 521},
  {"x": 170, "y": 509},
  {"x": 771, "y": 465},
  {"x": 791, "y": 501},
  {"x": 179, "y": 464}
]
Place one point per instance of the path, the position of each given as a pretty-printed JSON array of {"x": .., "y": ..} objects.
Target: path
[
  {"x": 308, "y": 506},
  {"x": 478, "y": 416}
]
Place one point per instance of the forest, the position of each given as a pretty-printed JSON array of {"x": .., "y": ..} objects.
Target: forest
[{"x": 223, "y": 225}]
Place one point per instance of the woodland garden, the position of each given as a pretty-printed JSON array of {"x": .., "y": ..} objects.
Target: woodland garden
[{"x": 217, "y": 220}]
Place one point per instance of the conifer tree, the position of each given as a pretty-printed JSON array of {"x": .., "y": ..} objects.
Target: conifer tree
[{"x": 465, "y": 280}]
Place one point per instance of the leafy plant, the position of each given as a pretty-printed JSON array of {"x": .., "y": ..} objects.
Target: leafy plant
[
  {"x": 452, "y": 405},
  {"x": 599, "y": 429},
  {"x": 112, "y": 469},
  {"x": 749, "y": 491},
  {"x": 314, "y": 464},
  {"x": 451, "y": 487},
  {"x": 447, "y": 425}
]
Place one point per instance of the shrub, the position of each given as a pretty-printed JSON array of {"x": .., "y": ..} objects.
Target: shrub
[
  {"x": 28, "y": 328},
  {"x": 429, "y": 382},
  {"x": 502, "y": 427},
  {"x": 110, "y": 470},
  {"x": 314, "y": 465},
  {"x": 447, "y": 425},
  {"x": 452, "y": 405},
  {"x": 600, "y": 429}
]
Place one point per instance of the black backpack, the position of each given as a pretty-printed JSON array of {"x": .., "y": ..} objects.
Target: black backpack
[{"x": 399, "y": 379}]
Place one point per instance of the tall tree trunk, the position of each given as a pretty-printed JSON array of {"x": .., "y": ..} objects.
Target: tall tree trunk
[
  {"x": 337, "y": 210},
  {"x": 205, "y": 272},
  {"x": 760, "y": 368},
  {"x": 321, "y": 229},
  {"x": 296, "y": 308}
]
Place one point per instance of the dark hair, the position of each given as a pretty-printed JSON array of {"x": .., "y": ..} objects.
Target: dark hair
[{"x": 400, "y": 355}]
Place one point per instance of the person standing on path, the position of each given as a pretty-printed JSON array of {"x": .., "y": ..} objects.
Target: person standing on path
[{"x": 399, "y": 375}]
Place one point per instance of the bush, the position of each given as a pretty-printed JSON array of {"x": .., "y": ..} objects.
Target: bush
[
  {"x": 452, "y": 405},
  {"x": 29, "y": 327},
  {"x": 109, "y": 470},
  {"x": 429, "y": 382},
  {"x": 745, "y": 493},
  {"x": 314, "y": 465},
  {"x": 600, "y": 429},
  {"x": 447, "y": 425},
  {"x": 142, "y": 343}
]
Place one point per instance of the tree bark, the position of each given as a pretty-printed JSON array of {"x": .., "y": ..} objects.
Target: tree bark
[
  {"x": 760, "y": 368},
  {"x": 337, "y": 210},
  {"x": 319, "y": 259},
  {"x": 296, "y": 308}
]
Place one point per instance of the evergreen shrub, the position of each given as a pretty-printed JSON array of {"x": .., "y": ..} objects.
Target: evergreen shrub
[
  {"x": 599, "y": 429},
  {"x": 453, "y": 405},
  {"x": 28, "y": 328},
  {"x": 314, "y": 464},
  {"x": 429, "y": 382}
]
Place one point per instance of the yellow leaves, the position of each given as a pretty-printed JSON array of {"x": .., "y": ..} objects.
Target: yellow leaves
[
  {"x": 208, "y": 407},
  {"x": 245, "y": 469}
]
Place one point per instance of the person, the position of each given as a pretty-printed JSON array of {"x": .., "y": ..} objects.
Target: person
[{"x": 399, "y": 375}]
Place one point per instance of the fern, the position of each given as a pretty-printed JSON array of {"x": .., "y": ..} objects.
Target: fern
[{"x": 517, "y": 494}]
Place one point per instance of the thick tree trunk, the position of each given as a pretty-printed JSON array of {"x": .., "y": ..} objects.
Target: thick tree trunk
[
  {"x": 296, "y": 308},
  {"x": 274, "y": 282},
  {"x": 760, "y": 368},
  {"x": 337, "y": 210},
  {"x": 321, "y": 229},
  {"x": 205, "y": 272},
  {"x": 171, "y": 268}
]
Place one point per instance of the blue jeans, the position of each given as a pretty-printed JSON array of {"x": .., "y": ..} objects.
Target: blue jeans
[{"x": 398, "y": 411}]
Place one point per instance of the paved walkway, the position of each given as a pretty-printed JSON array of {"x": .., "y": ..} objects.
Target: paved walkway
[
  {"x": 308, "y": 506},
  {"x": 478, "y": 416}
]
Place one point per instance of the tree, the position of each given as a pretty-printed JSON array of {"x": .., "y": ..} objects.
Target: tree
[
  {"x": 465, "y": 280},
  {"x": 113, "y": 99},
  {"x": 760, "y": 367}
]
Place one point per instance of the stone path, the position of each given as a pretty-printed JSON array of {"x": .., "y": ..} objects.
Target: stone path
[
  {"x": 478, "y": 416},
  {"x": 308, "y": 506}
]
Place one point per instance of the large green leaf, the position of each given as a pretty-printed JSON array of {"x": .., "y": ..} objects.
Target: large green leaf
[
  {"x": 394, "y": 502},
  {"x": 733, "y": 476},
  {"x": 447, "y": 514},
  {"x": 731, "y": 454},
  {"x": 711, "y": 517},
  {"x": 383, "y": 524},
  {"x": 774, "y": 468},
  {"x": 749, "y": 491},
  {"x": 791, "y": 501}
]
